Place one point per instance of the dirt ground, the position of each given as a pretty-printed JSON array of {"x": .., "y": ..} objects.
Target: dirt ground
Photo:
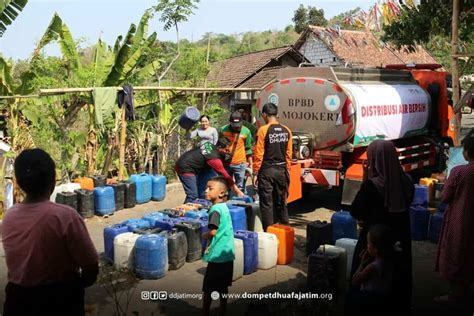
[{"x": 319, "y": 205}]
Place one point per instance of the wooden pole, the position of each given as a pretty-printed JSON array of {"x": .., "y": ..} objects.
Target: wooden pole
[
  {"x": 455, "y": 67},
  {"x": 123, "y": 137}
]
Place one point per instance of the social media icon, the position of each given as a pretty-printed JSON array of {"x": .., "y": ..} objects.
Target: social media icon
[
  {"x": 163, "y": 295},
  {"x": 154, "y": 295},
  {"x": 215, "y": 295},
  {"x": 145, "y": 295}
]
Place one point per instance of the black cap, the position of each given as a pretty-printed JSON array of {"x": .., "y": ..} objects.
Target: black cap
[{"x": 236, "y": 119}]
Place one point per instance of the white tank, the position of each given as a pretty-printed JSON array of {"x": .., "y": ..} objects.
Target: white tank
[
  {"x": 267, "y": 250},
  {"x": 70, "y": 187},
  {"x": 341, "y": 264},
  {"x": 239, "y": 259},
  {"x": 348, "y": 244},
  {"x": 123, "y": 250},
  {"x": 258, "y": 223}
]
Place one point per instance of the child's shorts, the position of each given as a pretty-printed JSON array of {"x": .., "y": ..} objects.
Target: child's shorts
[{"x": 218, "y": 277}]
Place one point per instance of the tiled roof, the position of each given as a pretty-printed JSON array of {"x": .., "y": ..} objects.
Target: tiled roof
[
  {"x": 262, "y": 78},
  {"x": 360, "y": 48},
  {"x": 233, "y": 71}
]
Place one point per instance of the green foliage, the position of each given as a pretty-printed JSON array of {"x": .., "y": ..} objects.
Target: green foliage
[
  {"x": 174, "y": 12},
  {"x": 308, "y": 16},
  {"x": 429, "y": 19},
  {"x": 58, "y": 31},
  {"x": 9, "y": 11},
  {"x": 341, "y": 20}
]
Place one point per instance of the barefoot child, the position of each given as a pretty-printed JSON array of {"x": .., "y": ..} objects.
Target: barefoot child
[{"x": 220, "y": 253}]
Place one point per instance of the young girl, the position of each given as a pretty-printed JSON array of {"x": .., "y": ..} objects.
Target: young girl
[
  {"x": 49, "y": 255},
  {"x": 372, "y": 281}
]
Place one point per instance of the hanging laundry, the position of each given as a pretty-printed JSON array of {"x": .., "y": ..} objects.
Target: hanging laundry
[
  {"x": 125, "y": 97},
  {"x": 105, "y": 99}
]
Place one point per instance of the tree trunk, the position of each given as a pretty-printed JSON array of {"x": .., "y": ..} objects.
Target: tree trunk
[
  {"x": 91, "y": 152},
  {"x": 108, "y": 157},
  {"x": 123, "y": 137},
  {"x": 455, "y": 67}
]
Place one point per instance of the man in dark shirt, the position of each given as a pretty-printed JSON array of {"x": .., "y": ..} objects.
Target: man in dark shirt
[
  {"x": 271, "y": 164},
  {"x": 197, "y": 160}
]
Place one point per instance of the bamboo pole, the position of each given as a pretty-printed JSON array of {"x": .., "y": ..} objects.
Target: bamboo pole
[
  {"x": 123, "y": 137},
  {"x": 455, "y": 68}
]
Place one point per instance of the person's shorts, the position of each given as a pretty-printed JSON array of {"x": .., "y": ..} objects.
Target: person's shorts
[{"x": 218, "y": 277}]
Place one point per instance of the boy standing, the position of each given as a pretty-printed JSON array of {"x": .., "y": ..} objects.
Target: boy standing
[{"x": 220, "y": 253}]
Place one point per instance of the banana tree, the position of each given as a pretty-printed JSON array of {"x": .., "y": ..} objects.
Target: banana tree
[{"x": 9, "y": 11}]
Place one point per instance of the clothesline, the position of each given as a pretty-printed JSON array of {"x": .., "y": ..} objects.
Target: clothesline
[{"x": 58, "y": 91}]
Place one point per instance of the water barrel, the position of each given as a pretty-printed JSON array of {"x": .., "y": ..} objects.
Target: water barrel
[
  {"x": 119, "y": 193},
  {"x": 189, "y": 117},
  {"x": 124, "y": 245},
  {"x": 204, "y": 224},
  {"x": 267, "y": 250},
  {"x": 67, "y": 198},
  {"x": 250, "y": 240},
  {"x": 109, "y": 235},
  {"x": 421, "y": 196},
  {"x": 151, "y": 256},
  {"x": 201, "y": 214},
  {"x": 436, "y": 221},
  {"x": 322, "y": 269},
  {"x": 349, "y": 245},
  {"x": 343, "y": 226},
  {"x": 245, "y": 198},
  {"x": 137, "y": 223},
  {"x": 204, "y": 203},
  {"x": 71, "y": 187},
  {"x": 419, "y": 220},
  {"x": 85, "y": 202},
  {"x": 85, "y": 183},
  {"x": 158, "y": 184},
  {"x": 340, "y": 264},
  {"x": 239, "y": 259},
  {"x": 99, "y": 181},
  {"x": 144, "y": 186},
  {"x": 177, "y": 248},
  {"x": 147, "y": 231},
  {"x": 317, "y": 233},
  {"x": 254, "y": 216},
  {"x": 166, "y": 223},
  {"x": 442, "y": 207},
  {"x": 238, "y": 216},
  {"x": 286, "y": 241},
  {"x": 104, "y": 200},
  {"x": 193, "y": 236},
  {"x": 130, "y": 194},
  {"x": 153, "y": 217},
  {"x": 172, "y": 213},
  {"x": 57, "y": 189}
]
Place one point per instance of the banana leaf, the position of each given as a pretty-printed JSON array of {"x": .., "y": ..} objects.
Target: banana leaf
[
  {"x": 103, "y": 60},
  {"x": 6, "y": 80},
  {"x": 166, "y": 114},
  {"x": 26, "y": 86},
  {"x": 123, "y": 55},
  {"x": 142, "y": 29},
  {"x": 9, "y": 11},
  {"x": 150, "y": 69},
  {"x": 136, "y": 58},
  {"x": 58, "y": 31}
]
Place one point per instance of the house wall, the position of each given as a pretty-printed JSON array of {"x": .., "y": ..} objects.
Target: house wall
[{"x": 318, "y": 53}]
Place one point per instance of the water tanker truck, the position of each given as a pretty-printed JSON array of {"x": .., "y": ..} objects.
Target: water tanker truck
[{"x": 335, "y": 113}]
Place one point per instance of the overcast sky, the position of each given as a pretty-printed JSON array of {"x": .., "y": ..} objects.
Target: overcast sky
[{"x": 88, "y": 18}]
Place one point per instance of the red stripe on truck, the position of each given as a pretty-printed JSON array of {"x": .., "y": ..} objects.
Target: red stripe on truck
[
  {"x": 337, "y": 88},
  {"x": 300, "y": 80},
  {"x": 286, "y": 81},
  {"x": 349, "y": 129},
  {"x": 269, "y": 88},
  {"x": 331, "y": 142},
  {"x": 319, "y": 81},
  {"x": 258, "y": 103}
]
